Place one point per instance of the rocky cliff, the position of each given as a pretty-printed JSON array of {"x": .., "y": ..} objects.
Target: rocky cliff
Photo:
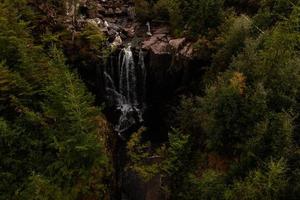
[{"x": 170, "y": 67}]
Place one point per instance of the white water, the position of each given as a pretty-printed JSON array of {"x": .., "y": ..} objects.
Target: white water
[
  {"x": 128, "y": 77},
  {"x": 125, "y": 97},
  {"x": 149, "y": 29}
]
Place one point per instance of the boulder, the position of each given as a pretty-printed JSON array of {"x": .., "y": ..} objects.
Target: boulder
[
  {"x": 187, "y": 50},
  {"x": 118, "y": 11},
  {"x": 114, "y": 27},
  {"x": 117, "y": 41},
  {"x": 95, "y": 22},
  {"x": 177, "y": 44},
  {"x": 129, "y": 31},
  {"x": 160, "y": 48},
  {"x": 158, "y": 44}
]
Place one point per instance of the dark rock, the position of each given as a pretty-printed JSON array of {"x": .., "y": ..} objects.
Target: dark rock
[
  {"x": 129, "y": 31},
  {"x": 162, "y": 30},
  {"x": 112, "y": 32},
  {"x": 100, "y": 8},
  {"x": 114, "y": 27},
  {"x": 110, "y": 11},
  {"x": 138, "y": 189},
  {"x": 111, "y": 19},
  {"x": 131, "y": 13},
  {"x": 118, "y": 11}
]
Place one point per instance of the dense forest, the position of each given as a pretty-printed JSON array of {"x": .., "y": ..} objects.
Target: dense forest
[{"x": 149, "y": 99}]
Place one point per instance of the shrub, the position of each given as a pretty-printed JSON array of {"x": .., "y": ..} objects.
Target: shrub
[{"x": 269, "y": 184}]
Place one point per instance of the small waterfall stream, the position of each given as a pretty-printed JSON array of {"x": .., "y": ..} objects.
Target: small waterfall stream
[{"x": 125, "y": 88}]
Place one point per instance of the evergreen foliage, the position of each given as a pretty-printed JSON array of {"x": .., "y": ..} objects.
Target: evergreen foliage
[
  {"x": 249, "y": 113},
  {"x": 235, "y": 136},
  {"x": 50, "y": 144}
]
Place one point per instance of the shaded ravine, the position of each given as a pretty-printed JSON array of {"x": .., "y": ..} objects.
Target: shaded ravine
[
  {"x": 138, "y": 88},
  {"x": 138, "y": 81},
  {"x": 125, "y": 90}
]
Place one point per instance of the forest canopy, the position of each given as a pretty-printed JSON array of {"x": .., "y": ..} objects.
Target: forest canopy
[
  {"x": 51, "y": 146},
  {"x": 233, "y": 133}
]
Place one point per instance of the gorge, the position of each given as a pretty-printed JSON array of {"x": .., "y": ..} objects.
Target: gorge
[
  {"x": 149, "y": 99},
  {"x": 139, "y": 83},
  {"x": 144, "y": 75}
]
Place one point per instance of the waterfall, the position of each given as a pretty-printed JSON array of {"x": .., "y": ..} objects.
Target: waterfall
[
  {"x": 149, "y": 29},
  {"x": 128, "y": 77},
  {"x": 125, "y": 89}
]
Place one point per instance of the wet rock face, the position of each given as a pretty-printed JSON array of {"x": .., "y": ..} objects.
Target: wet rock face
[
  {"x": 124, "y": 84},
  {"x": 169, "y": 66},
  {"x": 162, "y": 43},
  {"x": 167, "y": 60}
]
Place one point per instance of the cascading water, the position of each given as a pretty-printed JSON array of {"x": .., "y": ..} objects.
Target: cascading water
[
  {"x": 126, "y": 88},
  {"x": 149, "y": 29}
]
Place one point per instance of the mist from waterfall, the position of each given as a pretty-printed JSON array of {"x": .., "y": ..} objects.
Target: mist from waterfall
[{"x": 126, "y": 88}]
